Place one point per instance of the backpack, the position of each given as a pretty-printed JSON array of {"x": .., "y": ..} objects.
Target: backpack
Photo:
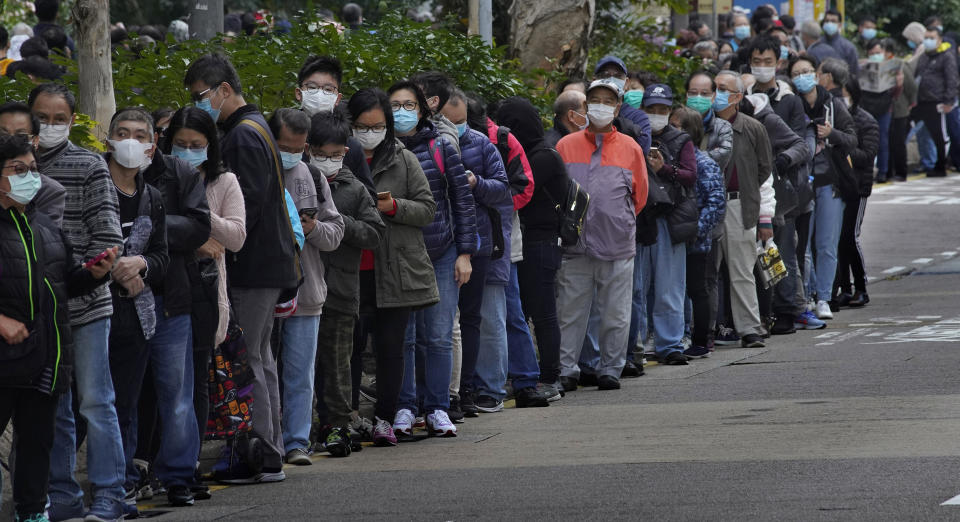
[
  {"x": 516, "y": 177},
  {"x": 571, "y": 209}
]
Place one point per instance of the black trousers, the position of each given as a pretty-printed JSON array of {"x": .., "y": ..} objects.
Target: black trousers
[
  {"x": 899, "y": 128},
  {"x": 33, "y": 416},
  {"x": 934, "y": 121},
  {"x": 537, "y": 275},
  {"x": 702, "y": 291},
  {"x": 471, "y": 302},
  {"x": 389, "y": 328},
  {"x": 849, "y": 253}
]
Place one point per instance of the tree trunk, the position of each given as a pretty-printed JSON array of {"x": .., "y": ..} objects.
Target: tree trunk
[
  {"x": 92, "y": 22},
  {"x": 206, "y": 19},
  {"x": 545, "y": 30}
]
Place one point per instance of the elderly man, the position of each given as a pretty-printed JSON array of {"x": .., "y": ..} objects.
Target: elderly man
[
  {"x": 569, "y": 115},
  {"x": 810, "y": 33}
]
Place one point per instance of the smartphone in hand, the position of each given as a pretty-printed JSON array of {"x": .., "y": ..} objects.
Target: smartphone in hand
[{"x": 100, "y": 257}]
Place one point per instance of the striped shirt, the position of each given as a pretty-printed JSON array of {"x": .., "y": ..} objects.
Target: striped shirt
[{"x": 91, "y": 218}]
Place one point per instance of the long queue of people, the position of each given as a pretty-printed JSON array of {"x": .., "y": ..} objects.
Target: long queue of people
[{"x": 424, "y": 222}]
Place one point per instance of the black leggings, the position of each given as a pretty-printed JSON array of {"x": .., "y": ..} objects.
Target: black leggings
[
  {"x": 849, "y": 253},
  {"x": 537, "y": 275},
  {"x": 702, "y": 291},
  {"x": 33, "y": 416},
  {"x": 389, "y": 328}
]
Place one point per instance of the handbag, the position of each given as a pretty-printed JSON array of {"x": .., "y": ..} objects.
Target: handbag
[
  {"x": 684, "y": 220},
  {"x": 205, "y": 310},
  {"x": 230, "y": 386}
]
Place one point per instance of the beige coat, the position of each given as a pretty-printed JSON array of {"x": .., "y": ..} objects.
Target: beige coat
[{"x": 228, "y": 225}]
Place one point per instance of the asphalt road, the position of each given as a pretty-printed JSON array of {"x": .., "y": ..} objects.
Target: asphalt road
[{"x": 856, "y": 422}]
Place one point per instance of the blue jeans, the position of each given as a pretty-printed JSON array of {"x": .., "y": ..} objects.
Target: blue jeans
[
  {"x": 171, "y": 360},
  {"x": 491, "y": 371},
  {"x": 638, "y": 308},
  {"x": 883, "y": 154},
  {"x": 665, "y": 267},
  {"x": 429, "y": 331},
  {"x": 298, "y": 356},
  {"x": 522, "y": 363},
  {"x": 825, "y": 224},
  {"x": 105, "y": 461},
  {"x": 925, "y": 146}
]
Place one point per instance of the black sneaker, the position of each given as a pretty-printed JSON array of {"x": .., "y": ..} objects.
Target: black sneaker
[
  {"x": 530, "y": 398},
  {"x": 588, "y": 379},
  {"x": 843, "y": 300},
  {"x": 180, "y": 496},
  {"x": 752, "y": 341},
  {"x": 467, "y": 405},
  {"x": 337, "y": 443},
  {"x": 675, "y": 358},
  {"x": 569, "y": 384},
  {"x": 608, "y": 382},
  {"x": 783, "y": 325},
  {"x": 859, "y": 299},
  {"x": 488, "y": 404},
  {"x": 696, "y": 352},
  {"x": 631, "y": 370},
  {"x": 454, "y": 411}
]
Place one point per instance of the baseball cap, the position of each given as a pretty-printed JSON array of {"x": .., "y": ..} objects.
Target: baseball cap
[
  {"x": 608, "y": 59},
  {"x": 608, "y": 83},
  {"x": 657, "y": 94}
]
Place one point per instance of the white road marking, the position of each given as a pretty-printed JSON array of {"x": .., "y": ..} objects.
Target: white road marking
[
  {"x": 827, "y": 335},
  {"x": 948, "y": 254},
  {"x": 929, "y": 317},
  {"x": 894, "y": 269},
  {"x": 922, "y": 260},
  {"x": 955, "y": 501}
]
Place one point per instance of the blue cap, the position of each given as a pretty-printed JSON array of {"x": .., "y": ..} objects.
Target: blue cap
[
  {"x": 607, "y": 60},
  {"x": 657, "y": 94}
]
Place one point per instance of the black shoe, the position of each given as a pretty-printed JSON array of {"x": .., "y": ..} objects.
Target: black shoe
[
  {"x": 843, "y": 300},
  {"x": 675, "y": 358},
  {"x": 488, "y": 404},
  {"x": 454, "y": 411},
  {"x": 180, "y": 496},
  {"x": 588, "y": 379},
  {"x": 337, "y": 443},
  {"x": 859, "y": 299},
  {"x": 631, "y": 370},
  {"x": 936, "y": 173},
  {"x": 881, "y": 178},
  {"x": 198, "y": 488},
  {"x": 900, "y": 179},
  {"x": 608, "y": 382},
  {"x": 751, "y": 341},
  {"x": 696, "y": 352},
  {"x": 834, "y": 305},
  {"x": 569, "y": 384},
  {"x": 467, "y": 405},
  {"x": 530, "y": 398},
  {"x": 783, "y": 325}
]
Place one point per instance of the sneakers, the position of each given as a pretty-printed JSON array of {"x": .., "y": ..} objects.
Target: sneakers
[
  {"x": 265, "y": 476},
  {"x": 726, "y": 337},
  {"x": 696, "y": 351},
  {"x": 858, "y": 300},
  {"x": 467, "y": 404},
  {"x": 105, "y": 510},
  {"x": 783, "y": 325},
  {"x": 439, "y": 425},
  {"x": 383, "y": 434},
  {"x": 180, "y": 496},
  {"x": 66, "y": 512},
  {"x": 337, "y": 442},
  {"x": 823, "y": 310},
  {"x": 551, "y": 392},
  {"x": 403, "y": 422},
  {"x": 752, "y": 341},
  {"x": 144, "y": 490},
  {"x": 298, "y": 457},
  {"x": 488, "y": 404},
  {"x": 36, "y": 517},
  {"x": 454, "y": 412},
  {"x": 674, "y": 358},
  {"x": 361, "y": 430},
  {"x": 608, "y": 382},
  {"x": 530, "y": 397},
  {"x": 129, "y": 504},
  {"x": 808, "y": 321},
  {"x": 630, "y": 369},
  {"x": 686, "y": 342},
  {"x": 569, "y": 384}
]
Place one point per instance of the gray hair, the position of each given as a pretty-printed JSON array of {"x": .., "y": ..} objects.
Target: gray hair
[
  {"x": 735, "y": 75},
  {"x": 180, "y": 30},
  {"x": 458, "y": 95},
  {"x": 810, "y": 29},
  {"x": 706, "y": 45},
  {"x": 568, "y": 101},
  {"x": 137, "y": 114},
  {"x": 836, "y": 68}
]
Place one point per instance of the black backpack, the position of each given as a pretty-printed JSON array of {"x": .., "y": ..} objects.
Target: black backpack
[{"x": 571, "y": 209}]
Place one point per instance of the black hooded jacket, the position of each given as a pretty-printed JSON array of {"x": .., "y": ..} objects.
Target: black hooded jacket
[{"x": 539, "y": 217}]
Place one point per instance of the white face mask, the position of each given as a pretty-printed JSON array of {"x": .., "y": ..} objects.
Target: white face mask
[
  {"x": 601, "y": 115},
  {"x": 130, "y": 153},
  {"x": 53, "y": 135},
  {"x": 327, "y": 167},
  {"x": 763, "y": 74},
  {"x": 658, "y": 121},
  {"x": 316, "y": 101},
  {"x": 370, "y": 140}
]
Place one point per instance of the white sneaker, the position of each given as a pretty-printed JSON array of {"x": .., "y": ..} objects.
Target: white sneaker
[
  {"x": 823, "y": 310},
  {"x": 438, "y": 424},
  {"x": 403, "y": 422}
]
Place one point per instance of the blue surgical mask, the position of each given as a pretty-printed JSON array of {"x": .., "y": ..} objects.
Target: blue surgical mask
[
  {"x": 805, "y": 82},
  {"x": 24, "y": 187},
  {"x": 462, "y": 129},
  {"x": 877, "y": 58},
  {"x": 930, "y": 44},
  {"x": 194, "y": 157},
  {"x": 205, "y": 106},
  {"x": 911, "y": 44},
  {"x": 721, "y": 101},
  {"x": 784, "y": 52},
  {"x": 869, "y": 33},
  {"x": 741, "y": 32},
  {"x": 404, "y": 120},
  {"x": 830, "y": 28},
  {"x": 290, "y": 159}
]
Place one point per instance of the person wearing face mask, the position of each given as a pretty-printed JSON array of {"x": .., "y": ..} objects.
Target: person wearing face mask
[
  {"x": 613, "y": 68},
  {"x": 390, "y": 290},
  {"x": 661, "y": 273},
  {"x": 598, "y": 271},
  {"x": 741, "y": 30},
  {"x": 318, "y": 91},
  {"x": 718, "y": 134},
  {"x": 833, "y": 36},
  {"x": 92, "y": 225},
  {"x": 811, "y": 33},
  {"x": 363, "y": 228},
  {"x": 936, "y": 72},
  {"x": 879, "y": 105},
  {"x": 36, "y": 342},
  {"x": 15, "y": 118},
  {"x": 764, "y": 59},
  {"x": 436, "y": 87},
  {"x": 569, "y": 115},
  {"x": 867, "y": 32},
  {"x": 323, "y": 229},
  {"x": 250, "y": 150}
]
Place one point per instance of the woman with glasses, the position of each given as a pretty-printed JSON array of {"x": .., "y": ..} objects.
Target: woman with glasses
[
  {"x": 451, "y": 240},
  {"x": 396, "y": 277}
]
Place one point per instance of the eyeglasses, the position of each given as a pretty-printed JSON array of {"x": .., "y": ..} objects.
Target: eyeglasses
[
  {"x": 322, "y": 157},
  {"x": 363, "y": 129},
  {"x": 610, "y": 73},
  {"x": 312, "y": 88},
  {"x": 20, "y": 168},
  {"x": 199, "y": 96},
  {"x": 407, "y": 105}
]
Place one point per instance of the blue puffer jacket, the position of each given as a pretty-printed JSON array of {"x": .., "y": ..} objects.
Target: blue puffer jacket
[
  {"x": 492, "y": 190},
  {"x": 456, "y": 218},
  {"x": 711, "y": 200}
]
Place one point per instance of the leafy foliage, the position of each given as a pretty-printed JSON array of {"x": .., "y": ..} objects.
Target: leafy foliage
[{"x": 894, "y": 16}]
